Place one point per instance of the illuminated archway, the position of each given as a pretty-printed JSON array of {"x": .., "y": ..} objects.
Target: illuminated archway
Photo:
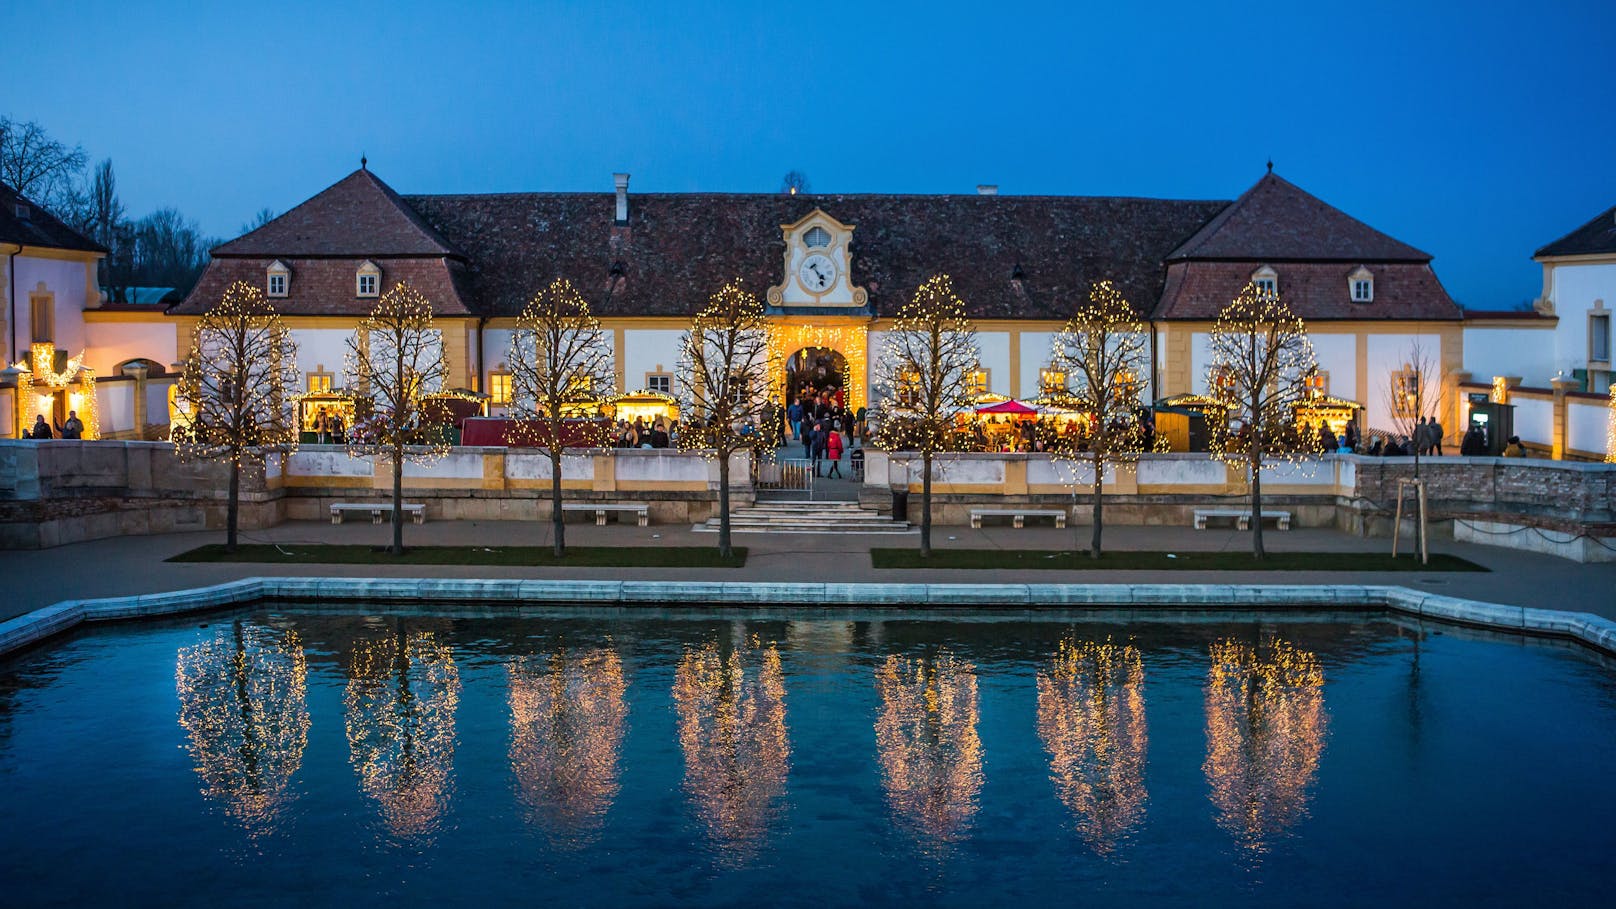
[{"x": 848, "y": 340}]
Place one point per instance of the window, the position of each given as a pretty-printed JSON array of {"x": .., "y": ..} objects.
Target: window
[
  {"x": 1407, "y": 393},
  {"x": 1265, "y": 281},
  {"x": 1362, "y": 285},
  {"x": 976, "y": 382},
  {"x": 1127, "y": 387},
  {"x": 908, "y": 389},
  {"x": 816, "y": 238},
  {"x": 1316, "y": 384},
  {"x": 319, "y": 381},
  {"x": 1599, "y": 336},
  {"x": 367, "y": 280},
  {"x": 1220, "y": 381},
  {"x": 1052, "y": 381},
  {"x": 42, "y": 309},
  {"x": 659, "y": 382},
  {"x": 279, "y": 279},
  {"x": 499, "y": 388},
  {"x": 581, "y": 388}
]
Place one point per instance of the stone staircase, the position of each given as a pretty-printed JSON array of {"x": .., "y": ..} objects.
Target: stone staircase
[{"x": 806, "y": 517}]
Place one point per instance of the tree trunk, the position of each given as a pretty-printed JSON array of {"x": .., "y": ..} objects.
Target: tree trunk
[
  {"x": 724, "y": 548},
  {"x": 555, "y": 502},
  {"x": 1099, "y": 497},
  {"x": 398, "y": 501},
  {"x": 925, "y": 504},
  {"x": 1256, "y": 505},
  {"x": 232, "y": 512}
]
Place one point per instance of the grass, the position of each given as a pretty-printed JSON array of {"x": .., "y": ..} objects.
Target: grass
[
  {"x": 1136, "y": 560},
  {"x": 577, "y": 556}
]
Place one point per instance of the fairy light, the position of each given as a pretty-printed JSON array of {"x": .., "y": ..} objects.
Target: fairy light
[
  {"x": 1091, "y": 719},
  {"x": 851, "y": 341},
  {"x": 927, "y": 744},
  {"x": 732, "y": 730},
  {"x": 400, "y": 705},
  {"x": 1265, "y": 724},
  {"x": 39, "y": 382},
  {"x": 243, "y": 706},
  {"x": 1610, "y": 427},
  {"x": 568, "y": 719},
  {"x": 1500, "y": 393}
]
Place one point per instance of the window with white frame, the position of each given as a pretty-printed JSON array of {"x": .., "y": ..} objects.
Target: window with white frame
[
  {"x": 279, "y": 279},
  {"x": 499, "y": 387},
  {"x": 1361, "y": 284},
  {"x": 367, "y": 281},
  {"x": 659, "y": 382},
  {"x": 816, "y": 238},
  {"x": 1599, "y": 336},
  {"x": 1265, "y": 280}
]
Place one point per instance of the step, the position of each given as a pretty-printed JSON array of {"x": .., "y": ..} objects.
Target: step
[{"x": 891, "y": 528}]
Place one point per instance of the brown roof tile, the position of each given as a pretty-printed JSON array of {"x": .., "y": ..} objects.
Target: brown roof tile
[
  {"x": 325, "y": 287},
  {"x": 358, "y": 215},
  {"x": 1315, "y": 291},
  {"x": 1594, "y": 238},
  {"x": 36, "y": 226},
  {"x": 1276, "y": 220}
]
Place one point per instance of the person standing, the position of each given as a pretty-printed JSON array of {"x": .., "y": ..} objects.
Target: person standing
[
  {"x": 1422, "y": 438},
  {"x": 794, "y": 417},
  {"x": 833, "y": 451},
  {"x": 73, "y": 428},
  {"x": 41, "y": 429},
  {"x": 816, "y": 444},
  {"x": 1434, "y": 434}
]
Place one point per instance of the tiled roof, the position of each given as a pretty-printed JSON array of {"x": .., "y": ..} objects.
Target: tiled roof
[
  {"x": 37, "y": 227},
  {"x": 326, "y": 287},
  {"x": 680, "y": 248},
  {"x": 1276, "y": 220},
  {"x": 1594, "y": 238},
  {"x": 358, "y": 215},
  {"x": 1315, "y": 291}
]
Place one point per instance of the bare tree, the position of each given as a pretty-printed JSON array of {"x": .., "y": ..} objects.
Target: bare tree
[
  {"x": 1413, "y": 397},
  {"x": 1103, "y": 352},
  {"x": 921, "y": 381},
  {"x": 559, "y": 360},
  {"x": 723, "y": 383},
  {"x": 38, "y": 166},
  {"x": 1260, "y": 361},
  {"x": 794, "y": 182},
  {"x": 394, "y": 360},
  {"x": 170, "y": 250},
  {"x": 237, "y": 388},
  {"x": 259, "y": 219}
]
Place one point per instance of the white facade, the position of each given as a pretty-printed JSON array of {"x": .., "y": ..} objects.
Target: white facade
[{"x": 1579, "y": 291}]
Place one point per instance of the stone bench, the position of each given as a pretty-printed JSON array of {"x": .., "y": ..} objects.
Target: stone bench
[
  {"x": 1018, "y": 515},
  {"x": 641, "y": 510},
  {"x": 1242, "y": 517},
  {"x": 377, "y": 511}
]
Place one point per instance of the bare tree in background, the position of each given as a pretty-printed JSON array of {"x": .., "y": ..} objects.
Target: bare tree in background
[
  {"x": 1103, "y": 350},
  {"x": 259, "y": 219},
  {"x": 236, "y": 390},
  {"x": 723, "y": 383},
  {"x": 1413, "y": 392},
  {"x": 794, "y": 182},
  {"x": 921, "y": 382},
  {"x": 395, "y": 359},
  {"x": 1259, "y": 365},
  {"x": 560, "y": 359},
  {"x": 40, "y": 167}
]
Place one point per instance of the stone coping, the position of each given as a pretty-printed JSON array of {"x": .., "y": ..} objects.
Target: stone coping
[{"x": 1585, "y": 628}]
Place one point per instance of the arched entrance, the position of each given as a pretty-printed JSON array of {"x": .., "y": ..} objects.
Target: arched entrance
[{"x": 814, "y": 370}]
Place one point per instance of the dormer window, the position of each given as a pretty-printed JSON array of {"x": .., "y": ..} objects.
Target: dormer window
[
  {"x": 279, "y": 278},
  {"x": 1362, "y": 285},
  {"x": 368, "y": 280},
  {"x": 1266, "y": 281},
  {"x": 816, "y": 238}
]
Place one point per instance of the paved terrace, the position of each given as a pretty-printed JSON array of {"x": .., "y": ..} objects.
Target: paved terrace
[{"x": 133, "y": 565}]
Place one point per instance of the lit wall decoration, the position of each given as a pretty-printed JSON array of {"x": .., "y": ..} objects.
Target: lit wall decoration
[
  {"x": 1500, "y": 393},
  {"x": 1091, "y": 719},
  {"x": 39, "y": 385},
  {"x": 927, "y": 744},
  {"x": 1610, "y": 427},
  {"x": 568, "y": 718},
  {"x": 400, "y": 704},
  {"x": 1265, "y": 725},
  {"x": 851, "y": 341},
  {"x": 732, "y": 730},
  {"x": 243, "y": 705}
]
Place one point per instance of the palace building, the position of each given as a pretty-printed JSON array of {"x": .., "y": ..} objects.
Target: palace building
[{"x": 833, "y": 270}]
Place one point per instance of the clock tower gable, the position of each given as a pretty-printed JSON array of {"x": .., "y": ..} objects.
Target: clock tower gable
[{"x": 818, "y": 265}]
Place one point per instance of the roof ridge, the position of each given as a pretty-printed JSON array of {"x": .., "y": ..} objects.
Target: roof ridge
[
  {"x": 1201, "y": 244},
  {"x": 283, "y": 235}
]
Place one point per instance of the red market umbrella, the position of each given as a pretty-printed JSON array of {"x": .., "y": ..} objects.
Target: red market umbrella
[{"x": 1012, "y": 406}]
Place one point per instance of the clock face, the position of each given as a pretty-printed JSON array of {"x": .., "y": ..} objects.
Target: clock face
[{"x": 817, "y": 273}]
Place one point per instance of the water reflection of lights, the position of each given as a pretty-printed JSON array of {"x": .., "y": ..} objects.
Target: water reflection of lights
[
  {"x": 1265, "y": 722},
  {"x": 568, "y": 717},
  {"x": 732, "y": 728},
  {"x": 1091, "y": 718},
  {"x": 400, "y": 704},
  {"x": 243, "y": 702},
  {"x": 926, "y": 740}
]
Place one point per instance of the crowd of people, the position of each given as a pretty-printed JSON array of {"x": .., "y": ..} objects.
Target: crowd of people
[
  {"x": 821, "y": 422},
  {"x": 639, "y": 434},
  {"x": 71, "y": 428}
]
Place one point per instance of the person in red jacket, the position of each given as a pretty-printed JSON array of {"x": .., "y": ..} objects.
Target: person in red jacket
[{"x": 833, "y": 450}]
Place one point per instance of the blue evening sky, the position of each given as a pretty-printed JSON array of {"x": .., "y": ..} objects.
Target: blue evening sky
[{"x": 1476, "y": 131}]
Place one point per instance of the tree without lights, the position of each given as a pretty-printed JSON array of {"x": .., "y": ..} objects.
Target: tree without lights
[
  {"x": 394, "y": 360},
  {"x": 725, "y": 363},
  {"x": 236, "y": 389},
  {"x": 922, "y": 381},
  {"x": 1102, "y": 351},
  {"x": 1260, "y": 361},
  {"x": 559, "y": 360}
]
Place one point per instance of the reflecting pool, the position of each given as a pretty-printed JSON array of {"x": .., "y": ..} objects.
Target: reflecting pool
[{"x": 288, "y": 755}]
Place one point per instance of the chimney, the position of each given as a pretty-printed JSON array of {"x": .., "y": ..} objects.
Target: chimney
[
  {"x": 987, "y": 189},
  {"x": 621, "y": 182}
]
